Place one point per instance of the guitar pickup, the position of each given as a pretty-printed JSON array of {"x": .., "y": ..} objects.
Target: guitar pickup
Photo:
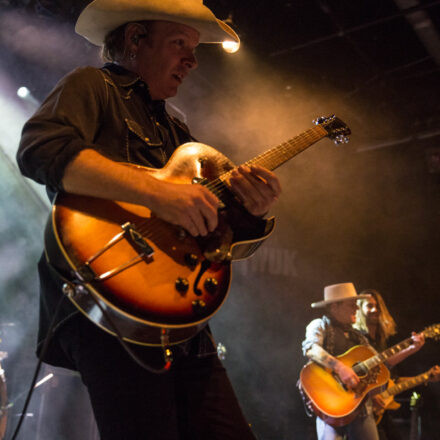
[{"x": 137, "y": 240}]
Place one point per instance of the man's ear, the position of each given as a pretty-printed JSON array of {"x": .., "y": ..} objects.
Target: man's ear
[{"x": 134, "y": 32}]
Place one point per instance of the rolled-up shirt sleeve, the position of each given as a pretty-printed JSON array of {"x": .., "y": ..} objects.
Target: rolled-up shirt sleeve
[
  {"x": 315, "y": 333},
  {"x": 65, "y": 124}
]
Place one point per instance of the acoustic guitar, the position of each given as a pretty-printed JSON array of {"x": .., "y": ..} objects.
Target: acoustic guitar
[
  {"x": 151, "y": 279},
  {"x": 328, "y": 397},
  {"x": 396, "y": 388}
]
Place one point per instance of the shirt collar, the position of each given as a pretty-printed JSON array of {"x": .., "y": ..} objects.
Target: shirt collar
[
  {"x": 127, "y": 79},
  {"x": 122, "y": 76}
]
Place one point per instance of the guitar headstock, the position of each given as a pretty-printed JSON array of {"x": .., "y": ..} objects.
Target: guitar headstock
[
  {"x": 337, "y": 130},
  {"x": 433, "y": 331}
]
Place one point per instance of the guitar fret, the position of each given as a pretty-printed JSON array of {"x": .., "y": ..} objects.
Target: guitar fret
[
  {"x": 276, "y": 156},
  {"x": 396, "y": 348},
  {"x": 406, "y": 385},
  {"x": 374, "y": 361}
]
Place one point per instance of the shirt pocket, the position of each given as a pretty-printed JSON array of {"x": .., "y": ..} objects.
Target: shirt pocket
[{"x": 143, "y": 146}]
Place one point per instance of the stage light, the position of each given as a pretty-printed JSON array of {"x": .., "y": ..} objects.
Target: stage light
[
  {"x": 23, "y": 92},
  {"x": 230, "y": 46}
]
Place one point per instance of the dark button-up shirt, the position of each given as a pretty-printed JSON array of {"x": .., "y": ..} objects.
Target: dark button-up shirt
[{"x": 108, "y": 110}]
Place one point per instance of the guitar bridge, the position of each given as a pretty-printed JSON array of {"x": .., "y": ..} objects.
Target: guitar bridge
[{"x": 137, "y": 241}]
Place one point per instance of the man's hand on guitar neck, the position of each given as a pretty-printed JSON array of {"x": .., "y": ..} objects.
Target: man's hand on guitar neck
[
  {"x": 418, "y": 340},
  {"x": 256, "y": 187}
]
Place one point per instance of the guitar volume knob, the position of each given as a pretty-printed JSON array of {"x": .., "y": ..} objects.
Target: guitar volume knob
[
  {"x": 211, "y": 285},
  {"x": 182, "y": 285},
  {"x": 191, "y": 260},
  {"x": 198, "y": 306}
]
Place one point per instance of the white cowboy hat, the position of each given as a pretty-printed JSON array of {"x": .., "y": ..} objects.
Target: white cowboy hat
[
  {"x": 102, "y": 16},
  {"x": 339, "y": 292}
]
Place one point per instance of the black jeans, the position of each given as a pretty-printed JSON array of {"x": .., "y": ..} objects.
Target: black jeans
[{"x": 193, "y": 401}]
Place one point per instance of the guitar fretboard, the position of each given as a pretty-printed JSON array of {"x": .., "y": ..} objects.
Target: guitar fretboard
[
  {"x": 382, "y": 357},
  {"x": 361, "y": 368},
  {"x": 406, "y": 385},
  {"x": 280, "y": 154},
  {"x": 276, "y": 156}
]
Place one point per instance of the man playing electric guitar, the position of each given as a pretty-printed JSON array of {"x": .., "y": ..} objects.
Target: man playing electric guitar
[
  {"x": 94, "y": 123},
  {"x": 385, "y": 400},
  {"x": 330, "y": 336}
]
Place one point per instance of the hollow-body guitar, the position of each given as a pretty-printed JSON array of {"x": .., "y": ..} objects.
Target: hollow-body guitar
[{"x": 150, "y": 278}]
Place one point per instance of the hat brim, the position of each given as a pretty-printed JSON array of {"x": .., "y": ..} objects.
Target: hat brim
[
  {"x": 101, "y": 17},
  {"x": 324, "y": 303}
]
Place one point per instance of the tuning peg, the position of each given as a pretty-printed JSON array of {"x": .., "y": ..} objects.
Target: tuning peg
[{"x": 323, "y": 119}]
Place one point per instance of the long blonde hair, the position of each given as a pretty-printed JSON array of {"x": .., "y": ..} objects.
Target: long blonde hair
[{"x": 387, "y": 325}]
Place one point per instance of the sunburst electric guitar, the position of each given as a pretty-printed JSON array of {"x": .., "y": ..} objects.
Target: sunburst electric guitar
[
  {"x": 396, "y": 388},
  {"x": 151, "y": 279},
  {"x": 327, "y": 396}
]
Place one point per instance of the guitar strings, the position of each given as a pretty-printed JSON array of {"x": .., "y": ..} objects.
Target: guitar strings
[
  {"x": 270, "y": 158},
  {"x": 153, "y": 228}
]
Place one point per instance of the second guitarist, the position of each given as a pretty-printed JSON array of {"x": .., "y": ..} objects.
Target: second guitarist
[
  {"x": 332, "y": 335},
  {"x": 376, "y": 323}
]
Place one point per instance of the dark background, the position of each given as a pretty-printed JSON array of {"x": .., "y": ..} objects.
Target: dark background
[{"x": 366, "y": 212}]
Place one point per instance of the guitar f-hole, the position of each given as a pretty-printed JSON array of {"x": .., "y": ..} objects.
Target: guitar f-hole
[{"x": 204, "y": 267}]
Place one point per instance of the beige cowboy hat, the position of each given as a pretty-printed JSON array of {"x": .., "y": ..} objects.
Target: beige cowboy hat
[
  {"x": 339, "y": 292},
  {"x": 102, "y": 16}
]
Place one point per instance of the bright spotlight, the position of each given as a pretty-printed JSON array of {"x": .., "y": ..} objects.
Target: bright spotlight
[
  {"x": 23, "y": 92},
  {"x": 230, "y": 46}
]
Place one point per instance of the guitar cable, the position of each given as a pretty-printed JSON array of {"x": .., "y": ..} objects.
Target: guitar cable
[
  {"x": 167, "y": 351},
  {"x": 71, "y": 285},
  {"x": 37, "y": 368},
  {"x": 168, "y": 356}
]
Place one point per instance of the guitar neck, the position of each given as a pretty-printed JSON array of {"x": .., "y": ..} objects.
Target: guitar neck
[
  {"x": 406, "y": 385},
  {"x": 389, "y": 352},
  {"x": 276, "y": 156},
  {"x": 432, "y": 331}
]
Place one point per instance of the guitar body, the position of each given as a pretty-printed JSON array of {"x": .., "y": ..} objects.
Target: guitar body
[
  {"x": 389, "y": 404},
  {"x": 151, "y": 277},
  {"x": 328, "y": 397},
  {"x": 125, "y": 268}
]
